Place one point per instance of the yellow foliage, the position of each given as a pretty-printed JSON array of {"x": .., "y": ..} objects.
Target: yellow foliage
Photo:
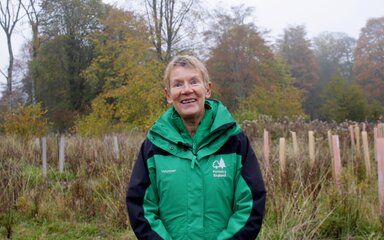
[
  {"x": 135, "y": 105},
  {"x": 126, "y": 77},
  {"x": 26, "y": 121}
]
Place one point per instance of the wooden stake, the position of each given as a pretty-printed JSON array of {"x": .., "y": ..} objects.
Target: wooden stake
[
  {"x": 380, "y": 171},
  {"x": 266, "y": 149},
  {"x": 336, "y": 161},
  {"x": 367, "y": 161},
  {"x": 311, "y": 148}
]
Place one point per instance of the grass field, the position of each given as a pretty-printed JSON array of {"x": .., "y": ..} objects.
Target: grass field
[{"x": 87, "y": 200}]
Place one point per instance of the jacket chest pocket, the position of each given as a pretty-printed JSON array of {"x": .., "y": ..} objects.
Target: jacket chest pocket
[{"x": 170, "y": 178}]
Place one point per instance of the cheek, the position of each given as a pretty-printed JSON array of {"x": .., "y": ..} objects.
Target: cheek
[{"x": 171, "y": 96}]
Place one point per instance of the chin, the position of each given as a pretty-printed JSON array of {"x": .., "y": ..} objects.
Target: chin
[{"x": 190, "y": 115}]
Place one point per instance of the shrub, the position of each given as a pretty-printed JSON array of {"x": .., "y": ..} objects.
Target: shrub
[{"x": 26, "y": 121}]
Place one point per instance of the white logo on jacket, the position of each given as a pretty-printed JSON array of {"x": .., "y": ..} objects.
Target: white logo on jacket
[{"x": 219, "y": 164}]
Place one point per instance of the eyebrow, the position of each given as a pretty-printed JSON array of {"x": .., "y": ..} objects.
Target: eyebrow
[{"x": 196, "y": 76}]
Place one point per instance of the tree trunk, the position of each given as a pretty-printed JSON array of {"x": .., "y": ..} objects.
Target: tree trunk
[{"x": 10, "y": 72}]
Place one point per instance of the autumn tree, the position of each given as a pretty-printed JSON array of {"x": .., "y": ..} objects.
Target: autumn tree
[
  {"x": 171, "y": 22},
  {"x": 113, "y": 53},
  {"x": 369, "y": 59},
  {"x": 9, "y": 17},
  {"x": 334, "y": 55},
  {"x": 242, "y": 66},
  {"x": 295, "y": 49},
  {"x": 237, "y": 56},
  {"x": 125, "y": 76}
]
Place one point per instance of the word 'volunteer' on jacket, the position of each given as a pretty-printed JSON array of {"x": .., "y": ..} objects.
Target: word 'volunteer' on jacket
[{"x": 206, "y": 187}]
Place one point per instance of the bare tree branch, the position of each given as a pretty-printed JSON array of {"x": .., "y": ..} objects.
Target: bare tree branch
[
  {"x": 10, "y": 15},
  {"x": 166, "y": 19},
  {"x": 2, "y": 73}
]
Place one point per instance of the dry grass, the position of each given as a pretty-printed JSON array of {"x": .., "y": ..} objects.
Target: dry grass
[
  {"x": 91, "y": 189},
  {"x": 87, "y": 200}
]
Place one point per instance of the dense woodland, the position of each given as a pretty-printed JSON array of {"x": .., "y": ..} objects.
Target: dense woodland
[{"x": 93, "y": 68}]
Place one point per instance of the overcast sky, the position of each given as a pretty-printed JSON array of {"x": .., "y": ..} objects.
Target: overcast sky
[{"x": 347, "y": 16}]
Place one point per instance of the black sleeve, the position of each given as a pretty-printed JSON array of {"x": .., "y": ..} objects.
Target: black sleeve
[
  {"x": 252, "y": 175},
  {"x": 139, "y": 182}
]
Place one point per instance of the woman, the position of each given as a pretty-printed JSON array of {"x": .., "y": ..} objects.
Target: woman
[{"x": 196, "y": 176}]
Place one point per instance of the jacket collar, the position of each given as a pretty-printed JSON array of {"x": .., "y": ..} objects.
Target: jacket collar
[{"x": 170, "y": 134}]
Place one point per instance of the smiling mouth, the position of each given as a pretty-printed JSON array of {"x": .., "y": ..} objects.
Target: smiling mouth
[{"x": 186, "y": 101}]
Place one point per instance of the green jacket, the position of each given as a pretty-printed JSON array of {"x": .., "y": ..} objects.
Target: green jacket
[{"x": 206, "y": 187}]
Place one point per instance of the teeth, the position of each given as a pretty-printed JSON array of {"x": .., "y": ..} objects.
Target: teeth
[{"x": 188, "y": 101}]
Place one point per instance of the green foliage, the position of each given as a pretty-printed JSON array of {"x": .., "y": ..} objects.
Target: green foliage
[
  {"x": 277, "y": 99},
  {"x": 26, "y": 121},
  {"x": 274, "y": 101},
  {"x": 35, "y": 177},
  {"x": 63, "y": 54},
  {"x": 375, "y": 111},
  {"x": 343, "y": 101},
  {"x": 75, "y": 18}
]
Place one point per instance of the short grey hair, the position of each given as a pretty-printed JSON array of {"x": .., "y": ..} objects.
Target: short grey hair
[{"x": 185, "y": 61}]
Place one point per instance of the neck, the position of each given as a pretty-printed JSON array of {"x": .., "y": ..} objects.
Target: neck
[
  {"x": 191, "y": 127},
  {"x": 192, "y": 124}
]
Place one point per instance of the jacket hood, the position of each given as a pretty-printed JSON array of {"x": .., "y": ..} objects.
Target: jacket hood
[{"x": 167, "y": 133}]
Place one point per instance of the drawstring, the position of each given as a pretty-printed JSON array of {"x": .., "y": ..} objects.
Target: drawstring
[{"x": 193, "y": 161}]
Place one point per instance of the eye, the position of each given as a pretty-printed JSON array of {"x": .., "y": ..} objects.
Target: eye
[
  {"x": 194, "y": 81},
  {"x": 177, "y": 85}
]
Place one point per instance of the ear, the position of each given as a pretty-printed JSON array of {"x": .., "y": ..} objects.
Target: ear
[
  {"x": 166, "y": 92},
  {"x": 209, "y": 90}
]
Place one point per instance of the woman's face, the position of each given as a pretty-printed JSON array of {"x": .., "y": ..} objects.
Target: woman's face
[{"x": 187, "y": 92}]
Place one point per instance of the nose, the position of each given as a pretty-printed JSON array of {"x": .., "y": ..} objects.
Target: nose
[{"x": 187, "y": 88}]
